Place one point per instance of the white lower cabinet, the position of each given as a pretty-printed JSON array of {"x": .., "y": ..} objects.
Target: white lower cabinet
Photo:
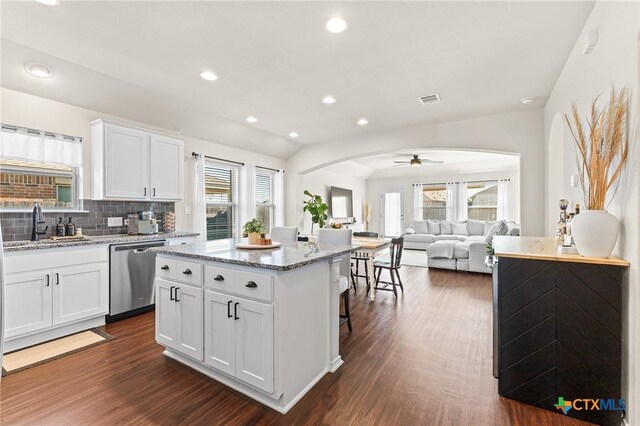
[
  {"x": 79, "y": 292},
  {"x": 238, "y": 338},
  {"x": 28, "y": 306},
  {"x": 179, "y": 317}
]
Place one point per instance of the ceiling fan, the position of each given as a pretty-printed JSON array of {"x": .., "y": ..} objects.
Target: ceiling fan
[{"x": 416, "y": 161}]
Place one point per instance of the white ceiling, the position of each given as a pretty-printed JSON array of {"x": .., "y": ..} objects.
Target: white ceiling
[
  {"x": 275, "y": 60},
  {"x": 456, "y": 162}
]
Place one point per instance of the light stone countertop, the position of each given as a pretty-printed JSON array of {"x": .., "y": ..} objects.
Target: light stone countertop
[
  {"x": 14, "y": 246},
  {"x": 284, "y": 258}
]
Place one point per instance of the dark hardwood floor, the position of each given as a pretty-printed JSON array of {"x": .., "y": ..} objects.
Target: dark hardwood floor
[{"x": 423, "y": 359}]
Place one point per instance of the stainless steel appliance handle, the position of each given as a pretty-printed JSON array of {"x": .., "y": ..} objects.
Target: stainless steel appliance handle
[
  {"x": 138, "y": 246},
  {"x": 141, "y": 250}
]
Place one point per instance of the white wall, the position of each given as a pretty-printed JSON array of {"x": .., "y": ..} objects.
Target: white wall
[
  {"x": 21, "y": 109},
  {"x": 613, "y": 61},
  {"x": 375, "y": 187},
  {"x": 516, "y": 132},
  {"x": 320, "y": 182}
]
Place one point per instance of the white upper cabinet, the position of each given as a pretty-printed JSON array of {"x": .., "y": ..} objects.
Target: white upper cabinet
[{"x": 135, "y": 164}]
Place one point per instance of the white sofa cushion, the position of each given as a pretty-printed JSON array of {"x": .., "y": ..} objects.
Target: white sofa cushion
[
  {"x": 450, "y": 237},
  {"x": 445, "y": 227},
  {"x": 419, "y": 238},
  {"x": 421, "y": 226},
  {"x": 475, "y": 227},
  {"x": 475, "y": 238},
  {"x": 434, "y": 227},
  {"x": 461, "y": 251},
  {"x": 459, "y": 228},
  {"x": 487, "y": 226},
  {"x": 499, "y": 228}
]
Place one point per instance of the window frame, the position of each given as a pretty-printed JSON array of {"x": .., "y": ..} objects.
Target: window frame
[
  {"x": 235, "y": 195},
  {"x": 424, "y": 208},
  {"x": 262, "y": 171},
  {"x": 487, "y": 184}
]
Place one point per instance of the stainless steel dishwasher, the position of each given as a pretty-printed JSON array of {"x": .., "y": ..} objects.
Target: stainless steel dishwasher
[{"x": 132, "y": 272}]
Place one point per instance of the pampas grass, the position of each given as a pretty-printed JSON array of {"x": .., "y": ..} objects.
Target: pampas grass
[
  {"x": 366, "y": 213},
  {"x": 602, "y": 147}
]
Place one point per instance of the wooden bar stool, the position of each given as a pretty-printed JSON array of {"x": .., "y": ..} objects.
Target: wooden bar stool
[{"x": 359, "y": 257}]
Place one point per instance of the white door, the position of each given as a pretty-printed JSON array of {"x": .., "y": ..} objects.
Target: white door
[
  {"x": 166, "y": 168},
  {"x": 219, "y": 332},
  {"x": 254, "y": 344},
  {"x": 80, "y": 292},
  {"x": 190, "y": 321},
  {"x": 126, "y": 163},
  {"x": 28, "y": 303},
  {"x": 392, "y": 217},
  {"x": 166, "y": 314}
]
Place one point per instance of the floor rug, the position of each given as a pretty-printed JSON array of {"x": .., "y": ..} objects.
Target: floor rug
[
  {"x": 39, "y": 354},
  {"x": 409, "y": 258}
]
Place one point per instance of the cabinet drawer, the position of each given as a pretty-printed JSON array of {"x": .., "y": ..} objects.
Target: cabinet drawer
[
  {"x": 219, "y": 278},
  {"x": 188, "y": 272},
  {"x": 257, "y": 286},
  {"x": 166, "y": 268}
]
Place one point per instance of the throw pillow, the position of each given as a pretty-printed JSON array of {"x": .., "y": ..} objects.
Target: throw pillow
[
  {"x": 445, "y": 228},
  {"x": 498, "y": 228},
  {"x": 488, "y": 225},
  {"x": 421, "y": 226},
  {"x": 434, "y": 227},
  {"x": 475, "y": 227},
  {"x": 459, "y": 229}
]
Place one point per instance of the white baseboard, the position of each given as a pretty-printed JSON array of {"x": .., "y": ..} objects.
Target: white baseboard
[{"x": 55, "y": 333}]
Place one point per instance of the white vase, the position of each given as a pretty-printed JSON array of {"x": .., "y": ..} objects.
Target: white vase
[{"x": 595, "y": 233}]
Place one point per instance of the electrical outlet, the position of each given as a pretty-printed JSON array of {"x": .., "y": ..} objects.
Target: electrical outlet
[
  {"x": 126, "y": 222},
  {"x": 114, "y": 221},
  {"x": 187, "y": 209}
]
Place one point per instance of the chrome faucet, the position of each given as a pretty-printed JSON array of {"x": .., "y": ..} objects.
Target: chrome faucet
[{"x": 37, "y": 219}]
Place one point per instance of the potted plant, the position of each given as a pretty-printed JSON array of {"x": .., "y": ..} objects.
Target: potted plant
[
  {"x": 254, "y": 230},
  {"x": 316, "y": 208},
  {"x": 603, "y": 149},
  {"x": 336, "y": 226}
]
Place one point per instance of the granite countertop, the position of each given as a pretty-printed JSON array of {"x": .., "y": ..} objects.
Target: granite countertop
[
  {"x": 287, "y": 257},
  {"x": 13, "y": 246},
  {"x": 544, "y": 249}
]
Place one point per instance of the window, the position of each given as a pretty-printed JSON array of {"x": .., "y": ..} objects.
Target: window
[
  {"x": 24, "y": 183},
  {"x": 482, "y": 200},
  {"x": 264, "y": 195},
  {"x": 221, "y": 195},
  {"x": 434, "y": 202}
]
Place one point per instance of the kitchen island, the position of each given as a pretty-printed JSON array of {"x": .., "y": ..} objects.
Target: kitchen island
[
  {"x": 263, "y": 322},
  {"x": 558, "y": 328}
]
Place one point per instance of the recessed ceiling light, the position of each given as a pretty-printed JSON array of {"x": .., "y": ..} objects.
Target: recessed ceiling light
[
  {"x": 293, "y": 135},
  {"x": 208, "y": 75},
  {"x": 336, "y": 25},
  {"x": 38, "y": 70},
  {"x": 48, "y": 2},
  {"x": 329, "y": 99},
  {"x": 252, "y": 119},
  {"x": 363, "y": 122},
  {"x": 527, "y": 101}
]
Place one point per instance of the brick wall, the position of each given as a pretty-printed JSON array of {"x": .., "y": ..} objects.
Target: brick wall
[
  {"x": 16, "y": 188},
  {"x": 17, "y": 226}
]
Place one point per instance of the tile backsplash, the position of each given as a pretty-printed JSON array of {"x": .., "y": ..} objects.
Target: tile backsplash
[{"x": 17, "y": 226}]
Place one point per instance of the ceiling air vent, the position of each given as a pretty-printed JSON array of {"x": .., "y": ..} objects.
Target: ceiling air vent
[{"x": 429, "y": 99}]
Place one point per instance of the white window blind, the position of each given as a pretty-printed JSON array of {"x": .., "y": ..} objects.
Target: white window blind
[
  {"x": 264, "y": 196},
  {"x": 221, "y": 196}
]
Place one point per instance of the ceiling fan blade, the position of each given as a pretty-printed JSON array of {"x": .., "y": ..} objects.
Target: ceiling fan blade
[
  {"x": 432, "y": 161},
  {"x": 402, "y": 162}
]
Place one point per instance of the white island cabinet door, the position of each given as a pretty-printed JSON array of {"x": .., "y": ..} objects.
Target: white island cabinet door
[
  {"x": 254, "y": 344},
  {"x": 190, "y": 321},
  {"x": 80, "y": 292},
  {"x": 28, "y": 303},
  {"x": 166, "y": 162},
  {"x": 166, "y": 314},
  {"x": 126, "y": 163},
  {"x": 219, "y": 332}
]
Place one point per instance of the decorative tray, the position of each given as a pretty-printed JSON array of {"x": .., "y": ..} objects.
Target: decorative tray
[
  {"x": 69, "y": 238},
  {"x": 247, "y": 246}
]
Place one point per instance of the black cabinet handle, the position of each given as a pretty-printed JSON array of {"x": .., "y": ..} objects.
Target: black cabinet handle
[
  {"x": 218, "y": 278},
  {"x": 47, "y": 284},
  {"x": 176, "y": 297},
  {"x": 229, "y": 309},
  {"x": 187, "y": 272},
  {"x": 165, "y": 267},
  {"x": 251, "y": 284},
  {"x": 145, "y": 191},
  {"x": 171, "y": 292},
  {"x": 235, "y": 311},
  {"x": 57, "y": 278},
  {"x": 154, "y": 192}
]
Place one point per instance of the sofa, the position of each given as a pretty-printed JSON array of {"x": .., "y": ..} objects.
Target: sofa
[{"x": 460, "y": 246}]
